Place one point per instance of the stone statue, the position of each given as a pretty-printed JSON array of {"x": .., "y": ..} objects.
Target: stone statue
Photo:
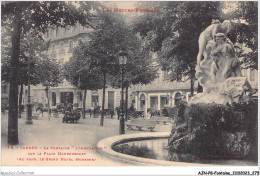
[
  {"x": 226, "y": 63},
  {"x": 216, "y": 63},
  {"x": 209, "y": 33}
]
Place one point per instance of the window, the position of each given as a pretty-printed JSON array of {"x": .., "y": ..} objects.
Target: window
[
  {"x": 252, "y": 75},
  {"x": 164, "y": 101},
  {"x": 166, "y": 74},
  {"x": 142, "y": 102},
  {"x": 111, "y": 100},
  {"x": 70, "y": 46},
  {"x": 66, "y": 97},
  {"x": 53, "y": 99},
  {"x": 94, "y": 101}
]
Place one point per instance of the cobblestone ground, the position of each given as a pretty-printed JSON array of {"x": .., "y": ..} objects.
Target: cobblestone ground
[{"x": 79, "y": 138}]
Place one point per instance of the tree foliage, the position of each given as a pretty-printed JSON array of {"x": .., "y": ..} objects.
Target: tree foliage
[
  {"x": 22, "y": 17},
  {"x": 77, "y": 72},
  {"x": 38, "y": 15},
  {"x": 245, "y": 31},
  {"x": 174, "y": 31},
  {"x": 43, "y": 68},
  {"x": 139, "y": 68}
]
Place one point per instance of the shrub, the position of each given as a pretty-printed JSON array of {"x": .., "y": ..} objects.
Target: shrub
[{"x": 216, "y": 130}]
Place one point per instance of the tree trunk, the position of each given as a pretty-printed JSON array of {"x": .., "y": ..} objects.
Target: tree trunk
[
  {"x": 84, "y": 104},
  {"x": 126, "y": 102},
  {"x": 103, "y": 100},
  {"x": 20, "y": 102},
  {"x": 13, "y": 92},
  {"x": 48, "y": 100},
  {"x": 49, "y": 110}
]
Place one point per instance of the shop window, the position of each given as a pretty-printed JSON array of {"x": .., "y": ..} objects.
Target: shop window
[
  {"x": 53, "y": 95},
  {"x": 94, "y": 100},
  {"x": 142, "y": 102}
]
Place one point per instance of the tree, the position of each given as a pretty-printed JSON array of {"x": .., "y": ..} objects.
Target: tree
[
  {"x": 36, "y": 15},
  {"x": 37, "y": 52},
  {"x": 79, "y": 74},
  {"x": 174, "y": 32},
  {"x": 177, "y": 48},
  {"x": 50, "y": 74},
  {"x": 102, "y": 50},
  {"x": 245, "y": 30},
  {"x": 139, "y": 68}
]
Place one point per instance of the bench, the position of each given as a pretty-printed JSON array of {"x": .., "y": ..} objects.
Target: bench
[
  {"x": 159, "y": 119},
  {"x": 149, "y": 124}
]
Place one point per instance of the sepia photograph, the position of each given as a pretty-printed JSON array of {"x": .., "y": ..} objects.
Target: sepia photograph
[{"x": 129, "y": 83}]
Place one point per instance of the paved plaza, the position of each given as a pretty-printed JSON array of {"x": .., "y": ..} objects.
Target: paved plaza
[{"x": 54, "y": 133}]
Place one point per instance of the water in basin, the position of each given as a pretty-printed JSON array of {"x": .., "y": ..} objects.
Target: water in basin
[{"x": 156, "y": 149}]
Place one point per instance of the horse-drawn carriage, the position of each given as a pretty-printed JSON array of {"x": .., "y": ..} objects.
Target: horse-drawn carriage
[
  {"x": 60, "y": 109},
  {"x": 72, "y": 114},
  {"x": 72, "y": 117}
]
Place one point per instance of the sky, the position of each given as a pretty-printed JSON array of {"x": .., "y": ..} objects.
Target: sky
[{"x": 122, "y": 4}]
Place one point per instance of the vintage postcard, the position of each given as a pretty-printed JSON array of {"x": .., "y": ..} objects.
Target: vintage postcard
[{"x": 138, "y": 83}]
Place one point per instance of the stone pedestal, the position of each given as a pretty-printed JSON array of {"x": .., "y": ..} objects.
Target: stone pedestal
[{"x": 231, "y": 90}]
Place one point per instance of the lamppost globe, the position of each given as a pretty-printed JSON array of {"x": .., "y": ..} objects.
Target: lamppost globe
[{"x": 122, "y": 57}]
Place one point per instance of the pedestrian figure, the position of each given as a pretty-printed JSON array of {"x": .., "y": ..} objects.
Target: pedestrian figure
[
  {"x": 111, "y": 113},
  {"x": 118, "y": 110}
]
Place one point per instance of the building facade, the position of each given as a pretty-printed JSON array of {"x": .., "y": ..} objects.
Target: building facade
[
  {"x": 160, "y": 93},
  {"x": 62, "y": 42}
]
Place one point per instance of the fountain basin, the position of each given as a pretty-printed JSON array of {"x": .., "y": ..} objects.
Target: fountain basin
[{"x": 129, "y": 159}]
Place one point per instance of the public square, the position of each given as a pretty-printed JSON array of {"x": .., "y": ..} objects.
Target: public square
[
  {"x": 159, "y": 83},
  {"x": 44, "y": 132}
]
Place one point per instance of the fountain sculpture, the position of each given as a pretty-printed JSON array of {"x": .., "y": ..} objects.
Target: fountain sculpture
[
  {"x": 216, "y": 122},
  {"x": 218, "y": 68}
]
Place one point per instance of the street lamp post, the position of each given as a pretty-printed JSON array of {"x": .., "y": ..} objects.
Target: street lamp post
[
  {"x": 122, "y": 62},
  {"x": 29, "y": 104}
]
